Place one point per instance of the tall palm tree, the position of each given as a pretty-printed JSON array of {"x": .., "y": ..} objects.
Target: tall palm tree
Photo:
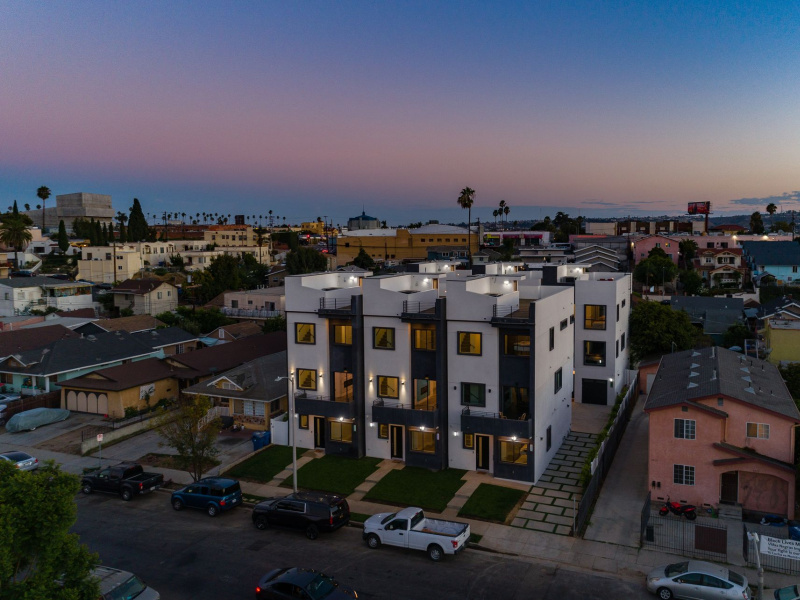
[
  {"x": 500, "y": 212},
  {"x": 495, "y": 212},
  {"x": 44, "y": 193},
  {"x": 465, "y": 200},
  {"x": 14, "y": 233},
  {"x": 506, "y": 210},
  {"x": 772, "y": 209}
]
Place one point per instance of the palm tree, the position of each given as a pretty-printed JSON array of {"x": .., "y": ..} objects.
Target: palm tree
[
  {"x": 500, "y": 212},
  {"x": 495, "y": 212},
  {"x": 465, "y": 200},
  {"x": 14, "y": 233},
  {"x": 772, "y": 209},
  {"x": 506, "y": 210},
  {"x": 44, "y": 193}
]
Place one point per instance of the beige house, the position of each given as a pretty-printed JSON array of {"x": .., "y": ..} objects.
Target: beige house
[
  {"x": 230, "y": 235},
  {"x": 145, "y": 296},
  {"x": 108, "y": 264}
]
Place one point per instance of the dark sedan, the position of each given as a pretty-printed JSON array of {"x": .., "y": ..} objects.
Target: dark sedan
[{"x": 301, "y": 583}]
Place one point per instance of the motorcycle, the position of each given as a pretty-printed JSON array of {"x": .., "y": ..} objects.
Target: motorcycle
[{"x": 676, "y": 508}]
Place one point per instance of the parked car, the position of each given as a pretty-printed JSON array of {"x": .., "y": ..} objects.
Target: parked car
[
  {"x": 409, "y": 528},
  {"x": 29, "y": 420},
  {"x": 122, "y": 585},
  {"x": 7, "y": 403},
  {"x": 698, "y": 580},
  {"x": 126, "y": 479},
  {"x": 791, "y": 592},
  {"x": 23, "y": 461},
  {"x": 301, "y": 583},
  {"x": 212, "y": 494},
  {"x": 310, "y": 511}
]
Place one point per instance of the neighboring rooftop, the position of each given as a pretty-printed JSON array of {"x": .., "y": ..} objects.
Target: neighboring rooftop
[
  {"x": 167, "y": 336},
  {"x": 123, "y": 377},
  {"x": 255, "y": 380},
  {"x": 218, "y": 359},
  {"x": 41, "y": 281},
  {"x": 131, "y": 324},
  {"x": 139, "y": 287},
  {"x": 237, "y": 330},
  {"x": 692, "y": 375},
  {"x": 22, "y": 340},
  {"x": 773, "y": 253}
]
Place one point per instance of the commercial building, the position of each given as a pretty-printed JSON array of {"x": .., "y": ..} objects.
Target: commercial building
[{"x": 402, "y": 244}]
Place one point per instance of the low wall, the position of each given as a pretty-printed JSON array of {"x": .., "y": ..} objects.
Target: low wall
[
  {"x": 280, "y": 431},
  {"x": 110, "y": 436}
]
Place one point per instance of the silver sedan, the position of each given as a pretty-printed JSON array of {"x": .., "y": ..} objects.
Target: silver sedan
[
  {"x": 697, "y": 580},
  {"x": 23, "y": 461}
]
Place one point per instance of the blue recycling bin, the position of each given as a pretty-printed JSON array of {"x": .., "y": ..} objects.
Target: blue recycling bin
[{"x": 260, "y": 439}]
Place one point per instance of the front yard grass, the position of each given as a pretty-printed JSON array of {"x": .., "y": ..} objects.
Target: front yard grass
[
  {"x": 335, "y": 474},
  {"x": 414, "y": 486},
  {"x": 264, "y": 466},
  {"x": 170, "y": 461},
  {"x": 492, "y": 503}
]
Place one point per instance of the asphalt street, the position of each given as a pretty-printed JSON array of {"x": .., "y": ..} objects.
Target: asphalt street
[{"x": 188, "y": 555}]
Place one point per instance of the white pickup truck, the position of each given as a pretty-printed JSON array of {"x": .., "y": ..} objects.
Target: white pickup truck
[{"x": 409, "y": 528}]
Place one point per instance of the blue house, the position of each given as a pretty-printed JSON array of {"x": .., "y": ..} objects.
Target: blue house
[{"x": 778, "y": 260}]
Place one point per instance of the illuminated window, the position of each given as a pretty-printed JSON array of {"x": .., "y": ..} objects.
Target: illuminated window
[
  {"x": 303, "y": 422},
  {"x": 473, "y": 394},
  {"x": 514, "y": 452},
  {"x": 469, "y": 441},
  {"x": 594, "y": 316},
  {"x": 388, "y": 387},
  {"x": 469, "y": 343},
  {"x": 594, "y": 353},
  {"x": 343, "y": 333},
  {"x": 383, "y": 338},
  {"x": 516, "y": 344},
  {"x": 305, "y": 333},
  {"x": 758, "y": 430},
  {"x": 307, "y": 379},
  {"x": 423, "y": 441},
  {"x": 424, "y": 394},
  {"x": 383, "y": 431},
  {"x": 341, "y": 432},
  {"x": 424, "y": 337}
]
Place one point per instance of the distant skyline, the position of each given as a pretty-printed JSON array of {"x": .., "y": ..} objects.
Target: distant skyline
[{"x": 312, "y": 109}]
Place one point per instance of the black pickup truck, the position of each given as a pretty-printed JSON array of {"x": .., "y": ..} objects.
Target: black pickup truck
[{"x": 126, "y": 479}]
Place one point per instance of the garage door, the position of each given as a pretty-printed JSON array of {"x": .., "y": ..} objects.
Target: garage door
[{"x": 594, "y": 391}]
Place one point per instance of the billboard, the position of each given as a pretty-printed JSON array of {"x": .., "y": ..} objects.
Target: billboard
[{"x": 699, "y": 208}]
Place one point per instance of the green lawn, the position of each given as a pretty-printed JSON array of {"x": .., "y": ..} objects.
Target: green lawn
[
  {"x": 414, "y": 486},
  {"x": 492, "y": 503},
  {"x": 335, "y": 474},
  {"x": 266, "y": 464}
]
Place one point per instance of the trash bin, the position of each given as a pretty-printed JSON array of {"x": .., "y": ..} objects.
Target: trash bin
[{"x": 260, "y": 439}]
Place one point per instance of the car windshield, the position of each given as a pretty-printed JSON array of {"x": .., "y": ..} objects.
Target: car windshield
[
  {"x": 676, "y": 569},
  {"x": 734, "y": 577},
  {"x": 787, "y": 593},
  {"x": 320, "y": 587},
  {"x": 16, "y": 456},
  {"x": 128, "y": 590},
  {"x": 388, "y": 518}
]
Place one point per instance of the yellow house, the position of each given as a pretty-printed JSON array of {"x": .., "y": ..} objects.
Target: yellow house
[
  {"x": 402, "y": 244},
  {"x": 315, "y": 227},
  {"x": 230, "y": 235},
  {"x": 782, "y": 337}
]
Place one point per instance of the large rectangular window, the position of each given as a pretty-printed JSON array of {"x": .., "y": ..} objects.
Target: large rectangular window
[
  {"x": 558, "y": 381},
  {"x": 594, "y": 353},
  {"x": 473, "y": 394},
  {"x": 424, "y": 394},
  {"x": 517, "y": 344},
  {"x": 305, "y": 333},
  {"x": 343, "y": 386},
  {"x": 424, "y": 337},
  {"x": 341, "y": 432},
  {"x": 383, "y": 338},
  {"x": 307, "y": 379},
  {"x": 469, "y": 343},
  {"x": 514, "y": 452},
  {"x": 388, "y": 387},
  {"x": 682, "y": 475},
  {"x": 594, "y": 316},
  {"x": 515, "y": 402},
  {"x": 342, "y": 333},
  {"x": 685, "y": 429},
  {"x": 423, "y": 441},
  {"x": 758, "y": 430}
]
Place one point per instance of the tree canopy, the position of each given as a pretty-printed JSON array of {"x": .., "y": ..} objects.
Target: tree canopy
[
  {"x": 655, "y": 326},
  {"x": 305, "y": 260},
  {"x": 137, "y": 224},
  {"x": 692, "y": 282},
  {"x": 37, "y": 549},
  {"x": 756, "y": 223},
  {"x": 63, "y": 239},
  {"x": 736, "y": 334},
  {"x": 655, "y": 269},
  {"x": 182, "y": 429},
  {"x": 364, "y": 260}
]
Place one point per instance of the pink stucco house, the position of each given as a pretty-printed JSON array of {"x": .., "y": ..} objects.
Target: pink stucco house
[
  {"x": 722, "y": 431},
  {"x": 643, "y": 246}
]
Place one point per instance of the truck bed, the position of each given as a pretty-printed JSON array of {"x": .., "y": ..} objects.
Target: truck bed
[{"x": 439, "y": 527}]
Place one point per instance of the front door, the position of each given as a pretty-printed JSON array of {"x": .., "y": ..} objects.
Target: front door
[
  {"x": 729, "y": 488},
  {"x": 319, "y": 432},
  {"x": 396, "y": 436},
  {"x": 482, "y": 452},
  {"x": 594, "y": 391}
]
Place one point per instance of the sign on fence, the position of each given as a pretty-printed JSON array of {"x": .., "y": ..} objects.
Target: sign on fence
[
  {"x": 99, "y": 437},
  {"x": 778, "y": 547}
]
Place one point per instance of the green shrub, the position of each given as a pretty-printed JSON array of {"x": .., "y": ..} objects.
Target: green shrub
[{"x": 586, "y": 470}]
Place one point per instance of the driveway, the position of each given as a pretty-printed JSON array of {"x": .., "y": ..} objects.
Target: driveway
[{"x": 617, "y": 513}]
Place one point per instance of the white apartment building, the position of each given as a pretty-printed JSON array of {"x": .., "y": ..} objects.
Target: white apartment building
[
  {"x": 20, "y": 295},
  {"x": 107, "y": 264},
  {"x": 435, "y": 368},
  {"x": 602, "y": 313}
]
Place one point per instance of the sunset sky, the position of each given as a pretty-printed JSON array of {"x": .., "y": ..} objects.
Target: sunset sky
[{"x": 322, "y": 108}]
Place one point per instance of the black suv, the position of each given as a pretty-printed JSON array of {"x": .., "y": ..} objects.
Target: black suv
[{"x": 310, "y": 511}]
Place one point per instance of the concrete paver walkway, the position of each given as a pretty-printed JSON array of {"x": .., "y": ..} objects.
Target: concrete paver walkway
[{"x": 551, "y": 504}]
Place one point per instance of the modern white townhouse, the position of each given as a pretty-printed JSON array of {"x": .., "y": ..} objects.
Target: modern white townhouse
[
  {"x": 433, "y": 367},
  {"x": 602, "y": 312}
]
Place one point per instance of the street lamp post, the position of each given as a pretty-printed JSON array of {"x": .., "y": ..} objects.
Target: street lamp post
[{"x": 291, "y": 430}]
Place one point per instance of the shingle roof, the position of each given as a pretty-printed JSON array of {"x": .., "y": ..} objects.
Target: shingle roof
[
  {"x": 122, "y": 377},
  {"x": 22, "y": 340},
  {"x": 71, "y": 354},
  {"x": 257, "y": 378},
  {"x": 130, "y": 324},
  {"x": 79, "y": 312},
  {"x": 239, "y": 330},
  {"x": 167, "y": 336},
  {"x": 711, "y": 372},
  {"x": 777, "y": 305},
  {"x": 139, "y": 287},
  {"x": 218, "y": 359},
  {"x": 26, "y": 282},
  {"x": 773, "y": 253}
]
